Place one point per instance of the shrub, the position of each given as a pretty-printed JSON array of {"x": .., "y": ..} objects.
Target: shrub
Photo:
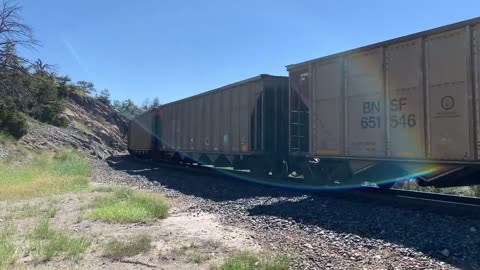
[
  {"x": 48, "y": 103},
  {"x": 12, "y": 122}
]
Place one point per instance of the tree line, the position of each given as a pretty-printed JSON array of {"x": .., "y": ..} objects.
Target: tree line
[{"x": 35, "y": 89}]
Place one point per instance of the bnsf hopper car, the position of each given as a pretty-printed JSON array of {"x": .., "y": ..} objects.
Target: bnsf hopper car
[
  {"x": 242, "y": 125},
  {"x": 403, "y": 107}
]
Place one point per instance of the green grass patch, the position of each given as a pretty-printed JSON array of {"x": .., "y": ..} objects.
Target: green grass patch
[
  {"x": 46, "y": 243},
  {"x": 126, "y": 205},
  {"x": 44, "y": 174},
  {"x": 252, "y": 261},
  {"x": 116, "y": 249},
  {"x": 7, "y": 245}
]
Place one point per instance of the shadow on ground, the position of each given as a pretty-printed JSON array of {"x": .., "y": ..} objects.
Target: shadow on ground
[
  {"x": 423, "y": 231},
  {"x": 210, "y": 186},
  {"x": 420, "y": 230}
]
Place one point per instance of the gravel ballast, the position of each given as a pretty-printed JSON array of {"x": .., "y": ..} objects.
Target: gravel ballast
[{"x": 317, "y": 232}]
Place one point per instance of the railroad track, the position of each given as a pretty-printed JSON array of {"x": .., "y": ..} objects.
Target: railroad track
[{"x": 426, "y": 201}]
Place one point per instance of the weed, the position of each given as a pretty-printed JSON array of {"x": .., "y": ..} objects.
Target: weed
[
  {"x": 247, "y": 260},
  {"x": 105, "y": 189},
  {"x": 47, "y": 243},
  {"x": 126, "y": 205},
  {"x": 29, "y": 210},
  {"x": 472, "y": 191},
  {"x": 198, "y": 258},
  {"x": 7, "y": 245},
  {"x": 116, "y": 249}
]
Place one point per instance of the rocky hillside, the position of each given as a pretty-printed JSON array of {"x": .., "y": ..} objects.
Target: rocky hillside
[{"x": 93, "y": 127}]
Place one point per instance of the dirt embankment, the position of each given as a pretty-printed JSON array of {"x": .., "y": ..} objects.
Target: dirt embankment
[{"x": 93, "y": 127}]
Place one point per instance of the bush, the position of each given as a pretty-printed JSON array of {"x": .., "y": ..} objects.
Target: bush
[
  {"x": 12, "y": 122},
  {"x": 48, "y": 104}
]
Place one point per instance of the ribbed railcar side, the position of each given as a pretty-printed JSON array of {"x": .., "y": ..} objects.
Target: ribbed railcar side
[
  {"x": 139, "y": 134},
  {"x": 406, "y": 103},
  {"x": 235, "y": 125}
]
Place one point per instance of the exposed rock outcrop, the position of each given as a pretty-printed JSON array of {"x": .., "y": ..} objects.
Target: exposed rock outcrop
[{"x": 93, "y": 127}]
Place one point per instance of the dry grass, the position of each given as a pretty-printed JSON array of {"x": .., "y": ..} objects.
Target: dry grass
[
  {"x": 116, "y": 249},
  {"x": 7, "y": 245},
  {"x": 32, "y": 210},
  {"x": 472, "y": 191},
  {"x": 46, "y": 243}
]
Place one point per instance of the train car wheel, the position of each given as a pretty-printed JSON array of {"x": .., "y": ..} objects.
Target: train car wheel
[
  {"x": 280, "y": 169},
  {"x": 308, "y": 173}
]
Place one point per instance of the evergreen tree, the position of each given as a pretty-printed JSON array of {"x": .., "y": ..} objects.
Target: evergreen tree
[
  {"x": 156, "y": 102},
  {"x": 86, "y": 87},
  {"x": 12, "y": 122},
  {"x": 105, "y": 96}
]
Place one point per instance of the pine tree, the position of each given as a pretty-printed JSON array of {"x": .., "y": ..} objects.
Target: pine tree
[
  {"x": 105, "y": 96},
  {"x": 156, "y": 102}
]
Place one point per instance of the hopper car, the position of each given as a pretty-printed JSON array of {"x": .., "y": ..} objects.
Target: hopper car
[{"x": 403, "y": 108}]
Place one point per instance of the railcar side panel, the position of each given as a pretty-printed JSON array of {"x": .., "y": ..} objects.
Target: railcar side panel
[
  {"x": 406, "y": 100},
  {"x": 244, "y": 119},
  {"x": 140, "y": 131},
  {"x": 198, "y": 123},
  {"x": 449, "y": 93},
  {"x": 366, "y": 104},
  {"x": 190, "y": 131},
  {"x": 234, "y": 119},
  {"x": 225, "y": 120},
  {"x": 216, "y": 99},
  {"x": 476, "y": 84},
  {"x": 182, "y": 126},
  {"x": 327, "y": 122},
  {"x": 258, "y": 126},
  {"x": 207, "y": 126}
]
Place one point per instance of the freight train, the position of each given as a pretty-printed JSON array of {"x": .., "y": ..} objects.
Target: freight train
[{"x": 403, "y": 108}]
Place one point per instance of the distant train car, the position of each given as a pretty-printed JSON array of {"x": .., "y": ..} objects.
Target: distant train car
[
  {"x": 242, "y": 125},
  {"x": 140, "y": 140},
  {"x": 400, "y": 108}
]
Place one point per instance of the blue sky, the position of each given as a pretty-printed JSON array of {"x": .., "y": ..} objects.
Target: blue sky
[{"x": 174, "y": 49}]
